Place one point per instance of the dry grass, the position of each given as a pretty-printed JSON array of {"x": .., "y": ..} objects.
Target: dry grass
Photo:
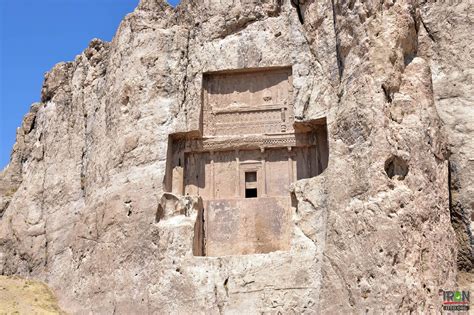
[{"x": 23, "y": 296}]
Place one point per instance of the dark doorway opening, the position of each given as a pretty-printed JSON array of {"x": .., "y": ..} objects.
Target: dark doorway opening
[
  {"x": 251, "y": 193},
  {"x": 250, "y": 184}
]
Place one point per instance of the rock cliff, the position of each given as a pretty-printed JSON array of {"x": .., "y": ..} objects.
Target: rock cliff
[{"x": 382, "y": 229}]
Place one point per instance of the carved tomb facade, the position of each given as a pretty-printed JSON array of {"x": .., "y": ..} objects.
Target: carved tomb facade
[{"x": 242, "y": 162}]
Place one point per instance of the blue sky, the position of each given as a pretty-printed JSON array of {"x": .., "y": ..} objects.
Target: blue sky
[{"x": 37, "y": 34}]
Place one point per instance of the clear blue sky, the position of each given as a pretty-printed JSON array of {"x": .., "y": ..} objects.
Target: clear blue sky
[{"x": 37, "y": 34}]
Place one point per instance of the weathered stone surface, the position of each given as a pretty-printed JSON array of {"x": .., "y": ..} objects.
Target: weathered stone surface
[
  {"x": 80, "y": 201},
  {"x": 446, "y": 42}
]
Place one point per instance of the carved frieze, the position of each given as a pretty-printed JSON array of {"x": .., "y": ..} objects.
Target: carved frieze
[
  {"x": 252, "y": 102},
  {"x": 265, "y": 140}
]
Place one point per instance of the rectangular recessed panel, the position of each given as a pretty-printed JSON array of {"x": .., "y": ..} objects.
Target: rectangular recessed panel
[
  {"x": 251, "y": 184},
  {"x": 250, "y": 177},
  {"x": 247, "y": 226},
  {"x": 247, "y": 102}
]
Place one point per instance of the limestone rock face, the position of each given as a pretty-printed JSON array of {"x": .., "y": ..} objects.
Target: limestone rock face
[
  {"x": 82, "y": 205},
  {"x": 446, "y": 42}
]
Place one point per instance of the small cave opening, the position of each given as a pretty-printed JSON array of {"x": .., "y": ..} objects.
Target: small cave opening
[{"x": 396, "y": 167}]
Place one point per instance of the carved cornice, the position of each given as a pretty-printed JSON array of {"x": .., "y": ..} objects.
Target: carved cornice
[{"x": 249, "y": 142}]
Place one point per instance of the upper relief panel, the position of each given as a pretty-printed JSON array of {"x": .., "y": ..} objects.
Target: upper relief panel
[{"x": 251, "y": 102}]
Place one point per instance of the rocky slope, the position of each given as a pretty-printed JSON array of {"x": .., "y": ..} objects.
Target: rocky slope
[{"x": 374, "y": 233}]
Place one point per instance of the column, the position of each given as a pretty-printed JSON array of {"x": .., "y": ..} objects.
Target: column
[
  {"x": 237, "y": 175},
  {"x": 183, "y": 173},
  {"x": 212, "y": 179},
  {"x": 264, "y": 173},
  {"x": 290, "y": 167}
]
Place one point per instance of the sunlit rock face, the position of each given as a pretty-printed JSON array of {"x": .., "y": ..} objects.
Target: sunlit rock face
[
  {"x": 127, "y": 187},
  {"x": 446, "y": 43}
]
